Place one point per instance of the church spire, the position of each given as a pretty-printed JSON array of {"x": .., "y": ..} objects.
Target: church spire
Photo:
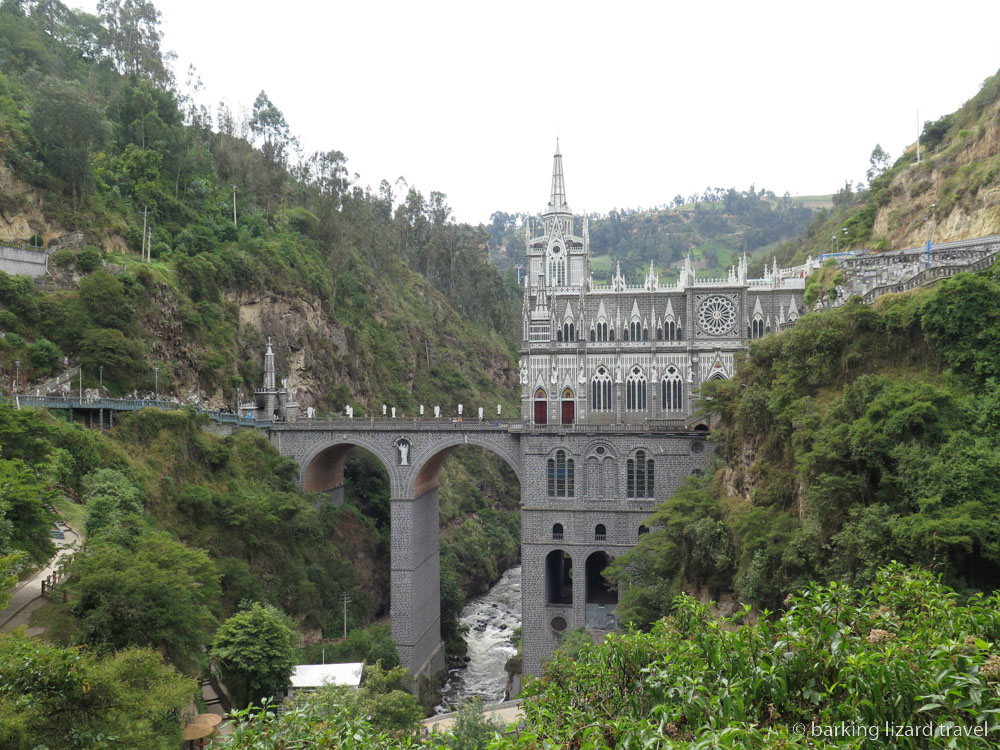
[
  {"x": 269, "y": 367},
  {"x": 557, "y": 203}
]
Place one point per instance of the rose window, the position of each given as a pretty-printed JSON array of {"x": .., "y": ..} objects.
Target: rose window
[{"x": 716, "y": 315}]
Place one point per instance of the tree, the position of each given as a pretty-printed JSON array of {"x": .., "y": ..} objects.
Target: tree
[
  {"x": 124, "y": 359},
  {"x": 113, "y": 504},
  {"x": 44, "y": 356},
  {"x": 70, "y": 698},
  {"x": 68, "y": 128},
  {"x": 255, "y": 652},
  {"x": 133, "y": 29},
  {"x": 158, "y": 593},
  {"x": 24, "y": 522},
  {"x": 878, "y": 162},
  {"x": 106, "y": 301}
]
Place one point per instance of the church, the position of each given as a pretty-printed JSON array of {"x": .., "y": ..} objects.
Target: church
[{"x": 632, "y": 354}]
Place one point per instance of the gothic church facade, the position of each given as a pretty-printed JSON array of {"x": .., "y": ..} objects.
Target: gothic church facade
[{"x": 609, "y": 376}]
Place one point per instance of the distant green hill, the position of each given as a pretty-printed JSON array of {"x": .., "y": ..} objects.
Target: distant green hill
[{"x": 714, "y": 227}]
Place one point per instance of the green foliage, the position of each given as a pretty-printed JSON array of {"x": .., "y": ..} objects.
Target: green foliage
[
  {"x": 254, "y": 651},
  {"x": 833, "y": 657},
  {"x": 122, "y": 358},
  {"x": 74, "y": 699},
  {"x": 88, "y": 260},
  {"x": 24, "y": 522},
  {"x": 472, "y": 729},
  {"x": 156, "y": 593},
  {"x": 113, "y": 504},
  {"x": 44, "y": 356},
  {"x": 106, "y": 302}
]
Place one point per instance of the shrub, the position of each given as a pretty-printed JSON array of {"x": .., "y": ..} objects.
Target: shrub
[
  {"x": 89, "y": 259},
  {"x": 44, "y": 356}
]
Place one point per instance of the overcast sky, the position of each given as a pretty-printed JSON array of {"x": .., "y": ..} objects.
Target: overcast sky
[{"x": 649, "y": 99}]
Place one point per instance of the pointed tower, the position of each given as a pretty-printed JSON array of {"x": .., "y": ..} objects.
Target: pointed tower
[
  {"x": 269, "y": 383},
  {"x": 557, "y": 203},
  {"x": 558, "y": 258}
]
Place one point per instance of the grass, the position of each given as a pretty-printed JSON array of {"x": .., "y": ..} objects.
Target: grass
[{"x": 72, "y": 513}]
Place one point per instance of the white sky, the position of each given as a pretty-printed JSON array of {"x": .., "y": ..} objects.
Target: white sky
[{"x": 649, "y": 99}]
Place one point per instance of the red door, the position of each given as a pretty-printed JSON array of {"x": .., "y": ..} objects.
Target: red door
[
  {"x": 541, "y": 412},
  {"x": 568, "y": 412}
]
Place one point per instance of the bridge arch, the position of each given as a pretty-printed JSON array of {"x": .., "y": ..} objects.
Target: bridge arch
[
  {"x": 321, "y": 470},
  {"x": 427, "y": 464}
]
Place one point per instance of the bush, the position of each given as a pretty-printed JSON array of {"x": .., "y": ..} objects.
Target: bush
[
  {"x": 8, "y": 321},
  {"x": 44, "y": 356},
  {"x": 89, "y": 259}
]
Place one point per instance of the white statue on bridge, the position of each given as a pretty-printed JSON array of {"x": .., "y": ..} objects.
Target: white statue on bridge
[
  {"x": 404, "y": 451},
  {"x": 394, "y": 412},
  {"x": 437, "y": 412}
]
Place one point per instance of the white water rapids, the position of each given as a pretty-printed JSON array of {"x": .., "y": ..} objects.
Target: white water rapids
[{"x": 491, "y": 619}]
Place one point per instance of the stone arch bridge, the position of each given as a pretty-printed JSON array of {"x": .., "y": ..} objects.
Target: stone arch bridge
[{"x": 579, "y": 499}]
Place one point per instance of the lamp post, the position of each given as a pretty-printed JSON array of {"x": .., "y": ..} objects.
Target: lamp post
[
  {"x": 927, "y": 221},
  {"x": 17, "y": 374},
  {"x": 156, "y": 382},
  {"x": 100, "y": 375}
]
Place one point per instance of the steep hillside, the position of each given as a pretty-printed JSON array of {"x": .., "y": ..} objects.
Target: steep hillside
[
  {"x": 368, "y": 302},
  {"x": 959, "y": 163},
  {"x": 860, "y": 436},
  {"x": 368, "y": 298}
]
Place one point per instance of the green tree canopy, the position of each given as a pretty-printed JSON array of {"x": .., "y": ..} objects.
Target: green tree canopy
[
  {"x": 255, "y": 652},
  {"x": 158, "y": 593},
  {"x": 74, "y": 699}
]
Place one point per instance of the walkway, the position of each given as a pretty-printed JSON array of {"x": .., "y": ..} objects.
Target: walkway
[
  {"x": 30, "y": 590},
  {"x": 508, "y": 713}
]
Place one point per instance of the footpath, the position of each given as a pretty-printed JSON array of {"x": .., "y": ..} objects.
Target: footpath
[
  {"x": 508, "y": 712},
  {"x": 27, "y": 595}
]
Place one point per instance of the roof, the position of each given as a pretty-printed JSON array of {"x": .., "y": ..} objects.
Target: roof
[{"x": 315, "y": 675}]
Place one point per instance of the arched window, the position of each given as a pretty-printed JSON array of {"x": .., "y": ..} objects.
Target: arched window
[
  {"x": 659, "y": 334},
  {"x": 559, "y": 335},
  {"x": 672, "y": 390},
  {"x": 756, "y": 327},
  {"x": 680, "y": 334},
  {"x": 635, "y": 331},
  {"x": 645, "y": 334},
  {"x": 611, "y": 334},
  {"x": 560, "y": 475},
  {"x": 593, "y": 335},
  {"x": 625, "y": 333},
  {"x": 600, "y": 533},
  {"x": 671, "y": 327},
  {"x": 635, "y": 390},
  {"x": 600, "y": 390},
  {"x": 557, "y": 531},
  {"x": 639, "y": 476}
]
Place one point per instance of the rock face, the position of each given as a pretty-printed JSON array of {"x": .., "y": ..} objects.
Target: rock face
[
  {"x": 304, "y": 337},
  {"x": 958, "y": 177},
  {"x": 21, "y": 214}
]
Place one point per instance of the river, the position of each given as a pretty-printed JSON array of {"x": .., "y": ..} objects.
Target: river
[{"x": 491, "y": 618}]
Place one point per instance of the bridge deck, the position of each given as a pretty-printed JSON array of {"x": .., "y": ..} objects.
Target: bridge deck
[{"x": 344, "y": 424}]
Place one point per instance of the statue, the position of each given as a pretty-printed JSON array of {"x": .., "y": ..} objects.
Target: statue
[
  {"x": 555, "y": 375},
  {"x": 524, "y": 372},
  {"x": 394, "y": 412},
  {"x": 618, "y": 373},
  {"x": 404, "y": 451},
  {"x": 581, "y": 378}
]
